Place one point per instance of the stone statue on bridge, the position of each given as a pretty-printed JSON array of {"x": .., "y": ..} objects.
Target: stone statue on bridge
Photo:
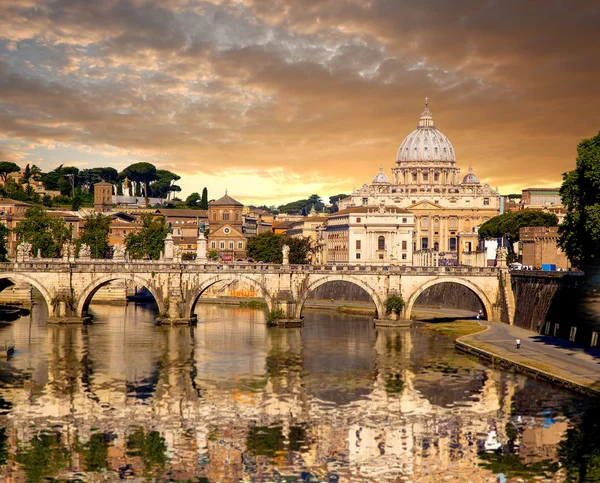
[
  {"x": 286, "y": 254},
  {"x": 119, "y": 252},
  {"x": 23, "y": 251},
  {"x": 85, "y": 252}
]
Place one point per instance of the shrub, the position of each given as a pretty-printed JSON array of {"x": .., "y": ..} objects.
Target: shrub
[
  {"x": 394, "y": 304},
  {"x": 275, "y": 315}
]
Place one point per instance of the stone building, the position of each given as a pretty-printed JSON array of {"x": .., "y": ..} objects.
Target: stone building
[
  {"x": 226, "y": 232},
  {"x": 369, "y": 235},
  {"x": 103, "y": 192},
  {"x": 427, "y": 183},
  {"x": 538, "y": 245}
]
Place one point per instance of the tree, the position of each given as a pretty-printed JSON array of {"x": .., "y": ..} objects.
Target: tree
[
  {"x": 43, "y": 232},
  {"x": 334, "y": 200},
  {"x": 509, "y": 224},
  {"x": 6, "y": 167},
  {"x": 580, "y": 192},
  {"x": 267, "y": 246},
  {"x": 143, "y": 173},
  {"x": 95, "y": 234},
  {"x": 204, "y": 200},
  {"x": 163, "y": 186},
  {"x": 4, "y": 232},
  {"x": 193, "y": 200},
  {"x": 150, "y": 240}
]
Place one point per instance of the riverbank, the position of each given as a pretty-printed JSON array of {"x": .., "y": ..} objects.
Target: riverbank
[{"x": 541, "y": 357}]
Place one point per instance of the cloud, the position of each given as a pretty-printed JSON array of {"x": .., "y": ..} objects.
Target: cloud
[{"x": 322, "y": 90}]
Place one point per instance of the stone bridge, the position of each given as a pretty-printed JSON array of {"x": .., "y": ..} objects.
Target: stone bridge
[{"x": 69, "y": 286}]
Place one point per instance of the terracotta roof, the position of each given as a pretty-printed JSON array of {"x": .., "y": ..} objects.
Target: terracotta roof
[
  {"x": 9, "y": 201},
  {"x": 283, "y": 224},
  {"x": 183, "y": 213},
  {"x": 372, "y": 209},
  {"x": 226, "y": 201}
]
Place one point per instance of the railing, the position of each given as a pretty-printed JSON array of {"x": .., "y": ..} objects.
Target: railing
[{"x": 158, "y": 266}]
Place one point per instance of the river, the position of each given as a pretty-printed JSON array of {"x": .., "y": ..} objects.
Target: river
[{"x": 230, "y": 400}]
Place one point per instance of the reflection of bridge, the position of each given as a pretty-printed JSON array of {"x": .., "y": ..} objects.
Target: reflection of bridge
[{"x": 68, "y": 287}]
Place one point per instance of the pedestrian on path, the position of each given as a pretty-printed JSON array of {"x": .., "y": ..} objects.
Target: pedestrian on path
[{"x": 518, "y": 341}]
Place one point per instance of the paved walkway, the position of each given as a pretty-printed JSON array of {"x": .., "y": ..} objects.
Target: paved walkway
[{"x": 556, "y": 356}]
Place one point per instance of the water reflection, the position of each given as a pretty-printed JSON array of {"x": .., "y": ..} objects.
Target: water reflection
[{"x": 230, "y": 400}]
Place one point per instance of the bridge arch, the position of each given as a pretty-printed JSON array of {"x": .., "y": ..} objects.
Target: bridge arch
[
  {"x": 18, "y": 277},
  {"x": 481, "y": 295},
  {"x": 379, "y": 304},
  {"x": 88, "y": 292},
  {"x": 197, "y": 292}
]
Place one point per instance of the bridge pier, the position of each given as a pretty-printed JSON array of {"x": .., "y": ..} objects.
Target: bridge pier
[{"x": 288, "y": 307}]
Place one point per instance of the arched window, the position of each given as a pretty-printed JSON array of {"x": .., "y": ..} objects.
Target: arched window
[
  {"x": 424, "y": 222},
  {"x": 237, "y": 216},
  {"x": 226, "y": 216},
  {"x": 231, "y": 245},
  {"x": 381, "y": 243},
  {"x": 436, "y": 246},
  {"x": 214, "y": 216}
]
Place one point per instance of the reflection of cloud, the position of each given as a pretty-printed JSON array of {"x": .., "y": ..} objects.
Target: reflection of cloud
[{"x": 316, "y": 88}]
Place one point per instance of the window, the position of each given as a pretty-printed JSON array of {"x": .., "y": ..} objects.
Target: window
[
  {"x": 358, "y": 256},
  {"x": 237, "y": 216},
  {"x": 358, "y": 244},
  {"x": 381, "y": 256},
  {"x": 214, "y": 216},
  {"x": 222, "y": 245},
  {"x": 213, "y": 245},
  {"x": 404, "y": 256},
  {"x": 436, "y": 222},
  {"x": 436, "y": 176},
  {"x": 414, "y": 176},
  {"x": 468, "y": 202},
  {"x": 226, "y": 230},
  {"x": 365, "y": 201},
  {"x": 425, "y": 177},
  {"x": 381, "y": 243},
  {"x": 436, "y": 246},
  {"x": 240, "y": 245},
  {"x": 404, "y": 220},
  {"x": 424, "y": 243},
  {"x": 358, "y": 220},
  {"x": 452, "y": 244},
  {"x": 424, "y": 222},
  {"x": 404, "y": 244},
  {"x": 226, "y": 216},
  {"x": 452, "y": 223},
  {"x": 486, "y": 201},
  {"x": 231, "y": 245}
]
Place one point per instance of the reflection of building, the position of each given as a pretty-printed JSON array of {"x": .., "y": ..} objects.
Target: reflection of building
[
  {"x": 539, "y": 246},
  {"x": 226, "y": 232},
  {"x": 427, "y": 183}
]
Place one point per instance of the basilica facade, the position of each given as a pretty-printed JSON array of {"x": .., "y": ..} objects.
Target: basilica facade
[{"x": 427, "y": 183}]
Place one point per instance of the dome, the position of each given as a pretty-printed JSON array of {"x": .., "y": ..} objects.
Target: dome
[
  {"x": 381, "y": 178},
  {"x": 426, "y": 143},
  {"x": 470, "y": 178}
]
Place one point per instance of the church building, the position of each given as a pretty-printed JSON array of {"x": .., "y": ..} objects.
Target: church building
[
  {"x": 226, "y": 234},
  {"x": 427, "y": 183}
]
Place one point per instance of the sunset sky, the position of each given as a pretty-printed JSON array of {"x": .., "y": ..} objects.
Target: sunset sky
[{"x": 277, "y": 100}]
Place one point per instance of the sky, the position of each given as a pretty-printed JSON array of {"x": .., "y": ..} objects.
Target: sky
[{"x": 275, "y": 100}]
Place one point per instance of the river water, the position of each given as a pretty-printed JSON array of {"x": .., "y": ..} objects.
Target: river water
[{"x": 231, "y": 400}]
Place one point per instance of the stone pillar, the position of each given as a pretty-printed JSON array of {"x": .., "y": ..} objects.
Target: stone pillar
[
  {"x": 501, "y": 257},
  {"x": 169, "y": 247},
  {"x": 201, "y": 249}
]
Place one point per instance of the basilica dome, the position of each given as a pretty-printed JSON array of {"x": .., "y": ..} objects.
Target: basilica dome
[
  {"x": 381, "y": 178},
  {"x": 426, "y": 143},
  {"x": 470, "y": 177}
]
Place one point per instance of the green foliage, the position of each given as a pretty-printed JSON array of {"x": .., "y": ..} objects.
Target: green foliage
[
  {"x": 394, "y": 385},
  {"x": 334, "y": 200},
  {"x": 512, "y": 467},
  {"x": 394, "y": 304},
  {"x": 43, "y": 458},
  {"x": 56, "y": 180},
  {"x": 193, "y": 200},
  {"x": 95, "y": 452},
  {"x": 150, "y": 240},
  {"x": 188, "y": 256},
  {"x": 580, "y": 193},
  {"x": 267, "y": 247},
  {"x": 213, "y": 255},
  {"x": 150, "y": 447},
  {"x": 142, "y": 173},
  {"x": 6, "y": 167},
  {"x": 204, "y": 200},
  {"x": 579, "y": 452},
  {"x": 303, "y": 206},
  {"x": 43, "y": 232},
  {"x": 3, "y": 446},
  {"x": 508, "y": 224},
  {"x": 95, "y": 234},
  {"x": 275, "y": 315},
  {"x": 4, "y": 232},
  {"x": 265, "y": 441},
  {"x": 164, "y": 185}
]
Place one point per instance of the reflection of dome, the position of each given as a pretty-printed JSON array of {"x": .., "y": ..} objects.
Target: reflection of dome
[
  {"x": 381, "y": 178},
  {"x": 470, "y": 178},
  {"x": 426, "y": 143}
]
